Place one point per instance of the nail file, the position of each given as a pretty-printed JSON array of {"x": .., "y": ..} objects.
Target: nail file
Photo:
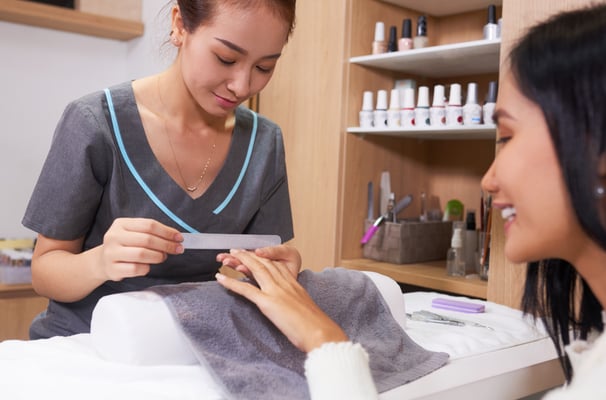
[{"x": 225, "y": 241}]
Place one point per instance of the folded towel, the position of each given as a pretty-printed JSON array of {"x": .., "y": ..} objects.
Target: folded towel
[{"x": 254, "y": 360}]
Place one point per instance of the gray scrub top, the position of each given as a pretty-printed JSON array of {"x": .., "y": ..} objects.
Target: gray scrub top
[{"x": 85, "y": 185}]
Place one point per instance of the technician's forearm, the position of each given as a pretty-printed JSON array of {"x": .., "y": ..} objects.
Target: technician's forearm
[{"x": 64, "y": 276}]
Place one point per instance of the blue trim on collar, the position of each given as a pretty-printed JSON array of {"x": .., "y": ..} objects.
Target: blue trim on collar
[
  {"x": 133, "y": 171},
  {"x": 251, "y": 144}
]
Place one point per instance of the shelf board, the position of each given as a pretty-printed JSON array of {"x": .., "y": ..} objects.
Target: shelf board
[
  {"x": 485, "y": 131},
  {"x": 68, "y": 20},
  {"x": 431, "y": 275},
  {"x": 16, "y": 290},
  {"x": 466, "y": 58},
  {"x": 440, "y": 8}
]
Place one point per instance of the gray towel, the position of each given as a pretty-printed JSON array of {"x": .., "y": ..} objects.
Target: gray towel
[{"x": 254, "y": 360}]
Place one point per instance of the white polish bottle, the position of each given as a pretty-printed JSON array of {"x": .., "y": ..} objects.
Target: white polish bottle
[
  {"x": 454, "y": 109},
  {"x": 380, "y": 113},
  {"x": 366, "y": 113},
  {"x": 437, "y": 112},
  {"x": 472, "y": 111}
]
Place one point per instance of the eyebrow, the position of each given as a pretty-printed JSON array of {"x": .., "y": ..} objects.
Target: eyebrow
[
  {"x": 500, "y": 113},
  {"x": 240, "y": 50}
]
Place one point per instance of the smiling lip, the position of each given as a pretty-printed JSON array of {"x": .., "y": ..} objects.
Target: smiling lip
[
  {"x": 225, "y": 103},
  {"x": 508, "y": 213}
]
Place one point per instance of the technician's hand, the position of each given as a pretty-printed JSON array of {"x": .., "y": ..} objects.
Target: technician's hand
[
  {"x": 287, "y": 255},
  {"x": 131, "y": 245},
  {"x": 285, "y": 302}
]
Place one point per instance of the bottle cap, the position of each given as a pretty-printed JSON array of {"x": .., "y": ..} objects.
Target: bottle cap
[
  {"x": 409, "y": 98},
  {"x": 407, "y": 28},
  {"x": 472, "y": 93},
  {"x": 492, "y": 14},
  {"x": 470, "y": 220},
  {"x": 438, "y": 96},
  {"x": 491, "y": 96},
  {"x": 422, "y": 26},
  {"x": 367, "y": 101},
  {"x": 457, "y": 238},
  {"x": 379, "y": 32},
  {"x": 423, "y": 97},
  {"x": 392, "y": 44},
  {"x": 394, "y": 100},
  {"x": 382, "y": 100},
  {"x": 455, "y": 95}
]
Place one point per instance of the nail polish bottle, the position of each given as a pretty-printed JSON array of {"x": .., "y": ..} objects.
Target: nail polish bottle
[
  {"x": 421, "y": 39},
  {"x": 491, "y": 28},
  {"x": 437, "y": 111},
  {"x": 470, "y": 241},
  {"x": 422, "y": 109},
  {"x": 366, "y": 113},
  {"x": 407, "y": 116},
  {"x": 488, "y": 107},
  {"x": 405, "y": 42},
  {"x": 454, "y": 110},
  {"x": 393, "y": 113},
  {"x": 380, "y": 113},
  {"x": 392, "y": 43},
  {"x": 472, "y": 111},
  {"x": 379, "y": 46}
]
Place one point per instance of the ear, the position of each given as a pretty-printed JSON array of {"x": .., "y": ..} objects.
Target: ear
[
  {"x": 177, "y": 28},
  {"x": 602, "y": 166}
]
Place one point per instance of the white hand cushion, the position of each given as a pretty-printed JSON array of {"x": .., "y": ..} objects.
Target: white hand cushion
[{"x": 138, "y": 327}]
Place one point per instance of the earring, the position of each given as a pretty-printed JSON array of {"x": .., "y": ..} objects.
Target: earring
[{"x": 599, "y": 192}]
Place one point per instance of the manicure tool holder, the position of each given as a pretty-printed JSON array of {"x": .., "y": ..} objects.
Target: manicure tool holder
[{"x": 406, "y": 242}]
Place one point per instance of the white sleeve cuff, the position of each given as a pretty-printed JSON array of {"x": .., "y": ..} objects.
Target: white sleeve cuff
[{"x": 339, "y": 371}]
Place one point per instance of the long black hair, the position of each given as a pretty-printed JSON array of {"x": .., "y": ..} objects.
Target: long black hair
[{"x": 559, "y": 65}]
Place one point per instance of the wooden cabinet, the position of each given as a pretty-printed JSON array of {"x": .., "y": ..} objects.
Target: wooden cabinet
[
  {"x": 316, "y": 94},
  {"x": 19, "y": 304},
  {"x": 445, "y": 163}
]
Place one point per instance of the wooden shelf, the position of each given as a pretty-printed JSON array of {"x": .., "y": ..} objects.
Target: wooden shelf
[
  {"x": 19, "y": 290},
  {"x": 467, "y": 58},
  {"x": 440, "y": 8},
  {"x": 431, "y": 275},
  {"x": 486, "y": 131},
  {"x": 68, "y": 20}
]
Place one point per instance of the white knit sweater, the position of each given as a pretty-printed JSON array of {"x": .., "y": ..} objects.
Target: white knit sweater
[
  {"x": 339, "y": 371},
  {"x": 588, "y": 361}
]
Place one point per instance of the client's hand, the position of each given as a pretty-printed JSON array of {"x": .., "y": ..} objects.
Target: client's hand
[
  {"x": 287, "y": 255},
  {"x": 285, "y": 302}
]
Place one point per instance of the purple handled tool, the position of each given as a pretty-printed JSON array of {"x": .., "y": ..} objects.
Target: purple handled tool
[
  {"x": 457, "y": 305},
  {"x": 400, "y": 205}
]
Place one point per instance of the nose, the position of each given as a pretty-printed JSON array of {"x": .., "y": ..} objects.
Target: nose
[
  {"x": 489, "y": 183},
  {"x": 239, "y": 83}
]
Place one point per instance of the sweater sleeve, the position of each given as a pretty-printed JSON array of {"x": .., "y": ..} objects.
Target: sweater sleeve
[{"x": 339, "y": 371}]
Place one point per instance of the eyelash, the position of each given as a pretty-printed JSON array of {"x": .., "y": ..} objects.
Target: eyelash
[
  {"x": 259, "y": 68},
  {"x": 503, "y": 139}
]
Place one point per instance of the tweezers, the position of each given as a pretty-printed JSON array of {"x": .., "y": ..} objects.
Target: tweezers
[{"x": 428, "y": 316}]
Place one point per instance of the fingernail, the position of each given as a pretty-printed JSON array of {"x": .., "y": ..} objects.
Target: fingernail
[
  {"x": 234, "y": 251},
  {"x": 180, "y": 249},
  {"x": 219, "y": 276}
]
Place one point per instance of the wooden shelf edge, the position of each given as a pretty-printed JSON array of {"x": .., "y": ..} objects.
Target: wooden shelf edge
[
  {"x": 68, "y": 20},
  {"x": 482, "y": 132},
  {"x": 431, "y": 275}
]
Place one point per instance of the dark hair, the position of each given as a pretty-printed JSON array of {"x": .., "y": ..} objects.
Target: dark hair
[
  {"x": 559, "y": 65},
  {"x": 198, "y": 12}
]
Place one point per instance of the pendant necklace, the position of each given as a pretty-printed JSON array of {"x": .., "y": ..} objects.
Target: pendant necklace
[{"x": 195, "y": 187}]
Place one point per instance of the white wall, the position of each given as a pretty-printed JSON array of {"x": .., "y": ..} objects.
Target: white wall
[{"x": 41, "y": 70}]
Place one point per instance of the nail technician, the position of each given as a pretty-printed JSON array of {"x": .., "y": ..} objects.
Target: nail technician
[
  {"x": 132, "y": 166},
  {"x": 548, "y": 180}
]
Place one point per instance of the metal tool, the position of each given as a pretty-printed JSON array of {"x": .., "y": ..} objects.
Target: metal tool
[
  {"x": 400, "y": 205},
  {"x": 225, "y": 241},
  {"x": 428, "y": 316}
]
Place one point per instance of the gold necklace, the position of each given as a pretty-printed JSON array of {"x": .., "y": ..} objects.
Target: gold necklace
[{"x": 190, "y": 189}]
